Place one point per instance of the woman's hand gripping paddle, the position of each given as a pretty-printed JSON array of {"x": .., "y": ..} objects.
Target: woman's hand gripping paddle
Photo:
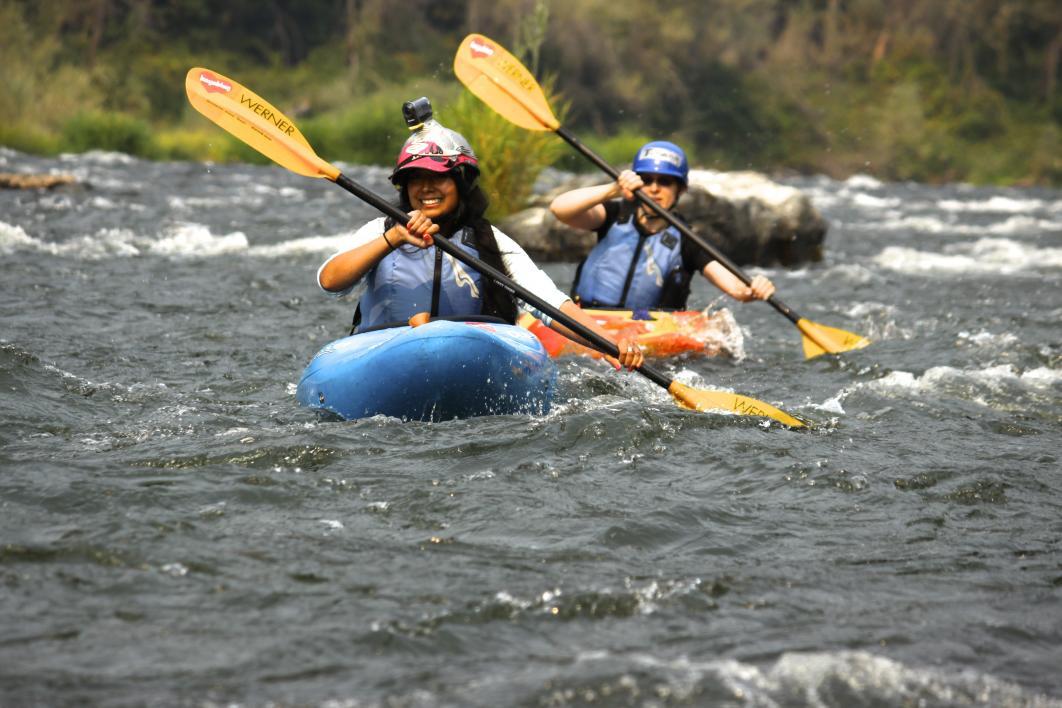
[
  {"x": 259, "y": 124},
  {"x": 503, "y": 83}
]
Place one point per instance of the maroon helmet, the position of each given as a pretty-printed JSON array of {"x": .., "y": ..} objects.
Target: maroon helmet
[{"x": 436, "y": 149}]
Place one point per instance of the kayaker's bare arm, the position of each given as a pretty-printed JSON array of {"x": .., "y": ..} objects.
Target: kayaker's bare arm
[
  {"x": 720, "y": 277},
  {"x": 584, "y": 208},
  {"x": 631, "y": 356},
  {"x": 347, "y": 268}
]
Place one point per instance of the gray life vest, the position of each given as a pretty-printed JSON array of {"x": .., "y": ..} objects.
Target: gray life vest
[
  {"x": 629, "y": 269},
  {"x": 410, "y": 280}
]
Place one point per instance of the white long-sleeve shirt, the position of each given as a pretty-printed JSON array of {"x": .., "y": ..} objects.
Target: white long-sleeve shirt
[{"x": 518, "y": 266}]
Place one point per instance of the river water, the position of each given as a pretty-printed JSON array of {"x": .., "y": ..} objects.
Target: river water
[{"x": 175, "y": 530}]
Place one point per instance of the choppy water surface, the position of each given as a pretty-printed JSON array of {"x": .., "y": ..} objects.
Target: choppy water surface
[{"x": 174, "y": 530}]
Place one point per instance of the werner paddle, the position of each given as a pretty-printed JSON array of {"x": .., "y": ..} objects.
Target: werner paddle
[
  {"x": 259, "y": 124},
  {"x": 503, "y": 83}
]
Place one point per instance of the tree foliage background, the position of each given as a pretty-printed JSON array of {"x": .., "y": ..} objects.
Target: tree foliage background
[{"x": 928, "y": 90}]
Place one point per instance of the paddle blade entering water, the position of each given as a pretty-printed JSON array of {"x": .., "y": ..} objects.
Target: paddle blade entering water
[
  {"x": 255, "y": 121},
  {"x": 702, "y": 400},
  {"x": 498, "y": 79},
  {"x": 819, "y": 339}
]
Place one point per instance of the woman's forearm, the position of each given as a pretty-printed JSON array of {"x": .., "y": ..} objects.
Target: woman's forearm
[
  {"x": 347, "y": 268},
  {"x": 584, "y": 208}
]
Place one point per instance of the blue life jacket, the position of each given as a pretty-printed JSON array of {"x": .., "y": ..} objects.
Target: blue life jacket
[
  {"x": 407, "y": 281},
  {"x": 628, "y": 268}
]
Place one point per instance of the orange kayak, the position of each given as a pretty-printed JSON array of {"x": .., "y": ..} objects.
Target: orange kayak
[{"x": 660, "y": 333}]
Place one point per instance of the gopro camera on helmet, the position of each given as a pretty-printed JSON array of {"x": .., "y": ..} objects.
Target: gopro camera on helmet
[
  {"x": 417, "y": 112},
  {"x": 432, "y": 146}
]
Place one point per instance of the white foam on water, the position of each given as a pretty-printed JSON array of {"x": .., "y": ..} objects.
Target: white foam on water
[
  {"x": 198, "y": 240},
  {"x": 309, "y": 244},
  {"x": 942, "y": 378},
  {"x": 986, "y": 255},
  {"x": 99, "y": 157},
  {"x": 850, "y": 272},
  {"x": 817, "y": 679},
  {"x": 103, "y": 244},
  {"x": 988, "y": 339},
  {"x": 14, "y": 238},
  {"x": 1042, "y": 377},
  {"x": 894, "y": 220},
  {"x": 178, "y": 240},
  {"x": 288, "y": 193},
  {"x": 832, "y": 405},
  {"x": 863, "y": 182},
  {"x": 194, "y": 203},
  {"x": 102, "y": 203},
  {"x": 823, "y": 199},
  {"x": 1020, "y": 225},
  {"x": 871, "y": 202},
  {"x": 898, "y": 221},
  {"x": 997, "y": 204},
  {"x": 860, "y": 310}
]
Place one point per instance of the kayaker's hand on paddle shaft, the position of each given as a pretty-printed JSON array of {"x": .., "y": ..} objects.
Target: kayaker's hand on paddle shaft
[
  {"x": 631, "y": 356},
  {"x": 345, "y": 269},
  {"x": 418, "y": 232},
  {"x": 628, "y": 183},
  {"x": 760, "y": 289}
]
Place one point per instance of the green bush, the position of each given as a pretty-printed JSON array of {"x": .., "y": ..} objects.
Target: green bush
[
  {"x": 28, "y": 139},
  {"x": 107, "y": 131}
]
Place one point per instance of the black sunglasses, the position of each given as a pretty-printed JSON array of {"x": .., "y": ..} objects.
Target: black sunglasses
[{"x": 662, "y": 180}]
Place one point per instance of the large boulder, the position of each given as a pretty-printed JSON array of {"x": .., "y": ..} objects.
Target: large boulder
[{"x": 748, "y": 217}]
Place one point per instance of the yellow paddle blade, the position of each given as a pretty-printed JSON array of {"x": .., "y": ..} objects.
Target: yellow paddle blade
[
  {"x": 255, "y": 121},
  {"x": 701, "y": 400},
  {"x": 819, "y": 339},
  {"x": 503, "y": 83}
]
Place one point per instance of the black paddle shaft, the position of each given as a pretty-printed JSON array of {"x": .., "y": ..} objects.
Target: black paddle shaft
[
  {"x": 599, "y": 342},
  {"x": 670, "y": 218}
]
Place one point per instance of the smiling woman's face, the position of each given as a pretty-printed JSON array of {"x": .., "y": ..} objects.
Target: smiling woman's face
[{"x": 433, "y": 193}]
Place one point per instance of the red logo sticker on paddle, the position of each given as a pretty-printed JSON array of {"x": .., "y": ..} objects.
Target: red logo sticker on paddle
[
  {"x": 480, "y": 49},
  {"x": 213, "y": 84}
]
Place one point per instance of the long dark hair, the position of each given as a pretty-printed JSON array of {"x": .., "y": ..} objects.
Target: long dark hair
[{"x": 470, "y": 212}]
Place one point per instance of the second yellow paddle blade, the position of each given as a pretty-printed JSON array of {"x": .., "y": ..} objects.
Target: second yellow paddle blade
[
  {"x": 255, "y": 121},
  {"x": 498, "y": 79},
  {"x": 819, "y": 339},
  {"x": 701, "y": 400}
]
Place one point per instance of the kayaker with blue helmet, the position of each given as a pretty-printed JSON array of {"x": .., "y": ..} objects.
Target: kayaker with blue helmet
[
  {"x": 405, "y": 275},
  {"x": 640, "y": 261}
]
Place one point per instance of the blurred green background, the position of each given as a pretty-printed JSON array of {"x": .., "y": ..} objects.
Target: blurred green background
[{"x": 924, "y": 90}]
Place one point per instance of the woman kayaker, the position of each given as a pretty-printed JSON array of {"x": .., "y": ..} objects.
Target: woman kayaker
[
  {"x": 405, "y": 274},
  {"x": 640, "y": 261}
]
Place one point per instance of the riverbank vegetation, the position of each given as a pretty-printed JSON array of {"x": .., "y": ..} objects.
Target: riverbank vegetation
[{"x": 926, "y": 90}]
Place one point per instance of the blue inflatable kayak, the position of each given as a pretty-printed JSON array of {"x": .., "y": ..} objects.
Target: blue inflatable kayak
[{"x": 437, "y": 371}]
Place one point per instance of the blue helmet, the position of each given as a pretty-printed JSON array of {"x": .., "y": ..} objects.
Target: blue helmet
[{"x": 662, "y": 158}]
